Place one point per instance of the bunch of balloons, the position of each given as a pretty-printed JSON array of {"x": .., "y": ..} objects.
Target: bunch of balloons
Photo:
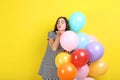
[{"x": 83, "y": 59}]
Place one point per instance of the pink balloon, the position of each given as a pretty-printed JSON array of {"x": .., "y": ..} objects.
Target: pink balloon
[
  {"x": 69, "y": 40},
  {"x": 83, "y": 72},
  {"x": 89, "y": 78},
  {"x": 92, "y": 38}
]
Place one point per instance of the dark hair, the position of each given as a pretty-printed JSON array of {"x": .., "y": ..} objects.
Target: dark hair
[{"x": 66, "y": 21}]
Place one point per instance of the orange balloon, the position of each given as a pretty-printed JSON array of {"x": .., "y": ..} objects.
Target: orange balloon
[
  {"x": 67, "y": 71},
  {"x": 98, "y": 68},
  {"x": 61, "y": 58}
]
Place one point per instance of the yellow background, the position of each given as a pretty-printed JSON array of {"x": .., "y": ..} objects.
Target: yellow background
[{"x": 23, "y": 32}]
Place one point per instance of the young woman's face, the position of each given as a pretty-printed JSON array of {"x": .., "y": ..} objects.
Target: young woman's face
[{"x": 61, "y": 24}]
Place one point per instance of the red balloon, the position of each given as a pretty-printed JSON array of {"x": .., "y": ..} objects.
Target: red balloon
[{"x": 79, "y": 58}]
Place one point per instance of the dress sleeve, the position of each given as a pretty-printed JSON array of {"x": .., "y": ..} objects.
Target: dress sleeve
[{"x": 51, "y": 35}]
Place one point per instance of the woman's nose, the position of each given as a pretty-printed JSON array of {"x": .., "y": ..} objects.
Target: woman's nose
[{"x": 59, "y": 24}]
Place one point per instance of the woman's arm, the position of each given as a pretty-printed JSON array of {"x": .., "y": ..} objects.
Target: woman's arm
[{"x": 54, "y": 44}]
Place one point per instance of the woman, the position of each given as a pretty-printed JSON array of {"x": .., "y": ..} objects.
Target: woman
[{"x": 48, "y": 69}]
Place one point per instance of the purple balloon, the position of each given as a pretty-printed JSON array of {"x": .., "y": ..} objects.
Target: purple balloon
[{"x": 95, "y": 51}]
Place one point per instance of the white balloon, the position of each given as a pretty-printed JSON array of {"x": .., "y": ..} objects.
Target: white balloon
[{"x": 89, "y": 78}]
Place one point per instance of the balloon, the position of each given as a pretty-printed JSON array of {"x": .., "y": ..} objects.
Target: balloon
[
  {"x": 75, "y": 79},
  {"x": 79, "y": 57},
  {"x": 98, "y": 68},
  {"x": 89, "y": 78},
  {"x": 67, "y": 71},
  {"x": 83, "y": 72},
  {"x": 61, "y": 58},
  {"x": 77, "y": 21},
  {"x": 83, "y": 40},
  {"x": 92, "y": 38},
  {"x": 95, "y": 51},
  {"x": 69, "y": 40}
]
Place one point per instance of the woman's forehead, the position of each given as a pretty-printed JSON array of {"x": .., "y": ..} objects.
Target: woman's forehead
[{"x": 61, "y": 19}]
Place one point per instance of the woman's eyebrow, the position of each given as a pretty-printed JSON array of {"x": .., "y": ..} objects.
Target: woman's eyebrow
[{"x": 62, "y": 21}]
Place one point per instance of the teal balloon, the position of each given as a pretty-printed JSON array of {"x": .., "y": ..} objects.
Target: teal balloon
[
  {"x": 77, "y": 21},
  {"x": 83, "y": 40}
]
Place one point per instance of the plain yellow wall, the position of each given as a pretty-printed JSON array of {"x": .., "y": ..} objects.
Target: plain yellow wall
[{"x": 23, "y": 32}]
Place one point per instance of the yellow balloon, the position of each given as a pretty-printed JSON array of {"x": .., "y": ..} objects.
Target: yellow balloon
[
  {"x": 61, "y": 58},
  {"x": 98, "y": 68}
]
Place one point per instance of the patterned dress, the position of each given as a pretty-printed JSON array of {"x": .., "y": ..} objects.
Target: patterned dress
[{"x": 48, "y": 69}]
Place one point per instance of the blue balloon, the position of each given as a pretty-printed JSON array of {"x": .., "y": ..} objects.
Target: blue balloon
[
  {"x": 77, "y": 21},
  {"x": 83, "y": 40}
]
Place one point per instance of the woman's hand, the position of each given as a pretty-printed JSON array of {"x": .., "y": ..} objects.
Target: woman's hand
[{"x": 59, "y": 33}]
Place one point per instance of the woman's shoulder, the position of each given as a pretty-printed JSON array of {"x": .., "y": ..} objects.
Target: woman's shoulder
[{"x": 51, "y": 33}]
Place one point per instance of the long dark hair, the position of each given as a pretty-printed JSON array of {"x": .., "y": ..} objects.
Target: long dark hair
[{"x": 66, "y": 21}]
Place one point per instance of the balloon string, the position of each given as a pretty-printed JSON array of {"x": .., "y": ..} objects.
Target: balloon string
[{"x": 69, "y": 52}]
